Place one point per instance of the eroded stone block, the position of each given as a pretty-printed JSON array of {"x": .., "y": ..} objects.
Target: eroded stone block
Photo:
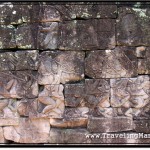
[
  {"x": 18, "y": 84},
  {"x": 133, "y": 26},
  {"x": 68, "y": 136},
  {"x": 7, "y": 37},
  {"x": 87, "y": 35},
  {"x": 120, "y": 62},
  {"x": 29, "y": 131},
  {"x": 60, "y": 67},
  {"x": 26, "y": 36},
  {"x": 114, "y": 124},
  {"x": 130, "y": 92},
  {"x": 51, "y": 101},
  {"x": 84, "y": 11},
  {"x": 20, "y": 60}
]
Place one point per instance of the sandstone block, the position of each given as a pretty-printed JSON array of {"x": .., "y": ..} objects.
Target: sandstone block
[
  {"x": 60, "y": 67},
  {"x": 120, "y": 62},
  {"x": 18, "y": 84},
  {"x": 2, "y": 139},
  {"x": 20, "y": 60},
  {"x": 26, "y": 36},
  {"x": 68, "y": 136},
  {"x": 51, "y": 101},
  {"x": 132, "y": 92},
  {"x": 114, "y": 124},
  {"x": 7, "y": 37},
  {"x": 133, "y": 26},
  {"x": 28, "y": 131},
  {"x": 87, "y": 35}
]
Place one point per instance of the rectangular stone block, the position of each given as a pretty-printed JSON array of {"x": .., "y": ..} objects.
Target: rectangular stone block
[
  {"x": 130, "y": 92},
  {"x": 60, "y": 67},
  {"x": 120, "y": 62},
  {"x": 64, "y": 136},
  {"x": 18, "y": 84},
  {"x": 28, "y": 131},
  {"x": 133, "y": 26},
  {"x": 87, "y": 35},
  {"x": 20, "y": 60},
  {"x": 86, "y": 11},
  {"x": 51, "y": 101},
  {"x": 7, "y": 37},
  {"x": 114, "y": 124},
  {"x": 26, "y": 36}
]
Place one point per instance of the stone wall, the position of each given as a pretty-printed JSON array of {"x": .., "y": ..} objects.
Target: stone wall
[{"x": 72, "y": 71}]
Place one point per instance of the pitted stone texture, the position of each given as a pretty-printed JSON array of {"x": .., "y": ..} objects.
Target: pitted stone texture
[
  {"x": 20, "y": 60},
  {"x": 7, "y": 37},
  {"x": 68, "y": 136},
  {"x": 2, "y": 139},
  {"x": 8, "y": 112},
  {"x": 48, "y": 35},
  {"x": 18, "y": 84},
  {"x": 140, "y": 51},
  {"x": 87, "y": 35},
  {"x": 114, "y": 124},
  {"x": 84, "y": 11},
  {"x": 51, "y": 101},
  {"x": 94, "y": 93},
  {"x": 26, "y": 36},
  {"x": 130, "y": 92},
  {"x": 29, "y": 131},
  {"x": 133, "y": 26},
  {"x": 27, "y": 108},
  {"x": 60, "y": 67},
  {"x": 120, "y": 62}
]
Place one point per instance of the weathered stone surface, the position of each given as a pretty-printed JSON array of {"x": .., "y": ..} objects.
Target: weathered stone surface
[
  {"x": 2, "y": 139},
  {"x": 48, "y": 36},
  {"x": 7, "y": 37},
  {"x": 68, "y": 136},
  {"x": 18, "y": 84},
  {"x": 60, "y": 67},
  {"x": 28, "y": 108},
  {"x": 142, "y": 126},
  {"x": 84, "y": 11},
  {"x": 74, "y": 95},
  {"x": 51, "y": 101},
  {"x": 10, "y": 14},
  {"x": 94, "y": 93},
  {"x": 20, "y": 60},
  {"x": 70, "y": 123},
  {"x": 132, "y": 92},
  {"x": 87, "y": 35},
  {"x": 114, "y": 124},
  {"x": 26, "y": 36},
  {"x": 120, "y": 62},
  {"x": 133, "y": 26},
  {"x": 29, "y": 131},
  {"x": 72, "y": 118}
]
